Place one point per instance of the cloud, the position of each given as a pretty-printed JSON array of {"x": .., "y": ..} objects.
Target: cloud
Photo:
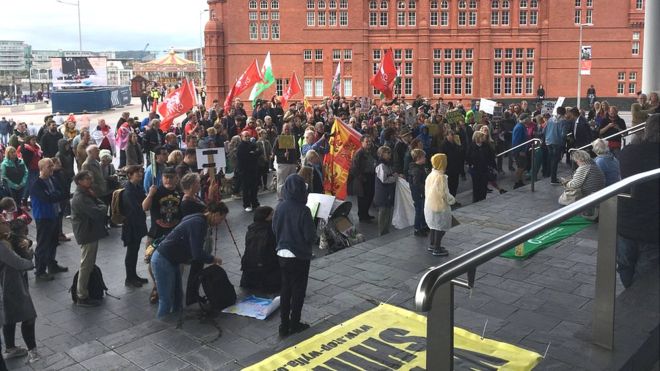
[{"x": 106, "y": 25}]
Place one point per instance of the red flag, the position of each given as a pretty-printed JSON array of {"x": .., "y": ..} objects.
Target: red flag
[
  {"x": 343, "y": 142},
  {"x": 384, "y": 78},
  {"x": 291, "y": 90},
  {"x": 248, "y": 79},
  {"x": 176, "y": 103}
]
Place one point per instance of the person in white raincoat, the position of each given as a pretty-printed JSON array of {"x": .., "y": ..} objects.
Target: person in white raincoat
[{"x": 437, "y": 210}]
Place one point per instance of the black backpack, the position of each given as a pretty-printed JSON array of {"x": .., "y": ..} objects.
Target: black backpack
[
  {"x": 217, "y": 288},
  {"x": 96, "y": 286}
]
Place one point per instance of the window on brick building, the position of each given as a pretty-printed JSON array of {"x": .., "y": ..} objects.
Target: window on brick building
[
  {"x": 508, "y": 53},
  {"x": 437, "y": 86},
  {"x": 279, "y": 85},
  {"x": 472, "y": 20},
  {"x": 523, "y": 18},
  {"x": 373, "y": 5},
  {"x": 635, "y": 35},
  {"x": 375, "y": 68},
  {"x": 433, "y": 18},
  {"x": 519, "y": 52},
  {"x": 497, "y": 68},
  {"x": 275, "y": 16},
  {"x": 619, "y": 87},
  {"x": 310, "y": 4},
  {"x": 578, "y": 16},
  {"x": 376, "y": 54},
  {"x": 409, "y": 54},
  {"x": 534, "y": 4},
  {"x": 507, "y": 86},
  {"x": 252, "y": 4},
  {"x": 494, "y": 18},
  {"x": 348, "y": 54},
  {"x": 308, "y": 87},
  {"x": 265, "y": 31},
  {"x": 498, "y": 53},
  {"x": 519, "y": 67},
  {"x": 383, "y": 19},
  {"x": 263, "y": 15},
  {"x": 461, "y": 18},
  {"x": 437, "y": 68},
  {"x": 444, "y": 18},
  {"x": 632, "y": 87},
  {"x": 505, "y": 18},
  {"x": 263, "y": 4},
  {"x": 253, "y": 31},
  {"x": 397, "y": 54},
  {"x": 448, "y": 53},
  {"x": 307, "y": 54},
  {"x": 578, "y": 3},
  {"x": 373, "y": 19},
  {"x": 635, "y": 48},
  {"x": 589, "y": 17},
  {"x": 343, "y": 18},
  {"x": 332, "y": 18},
  {"x": 468, "y": 53},
  {"x": 621, "y": 76},
  {"x": 447, "y": 68},
  {"x": 462, "y": 4},
  {"x": 336, "y": 54},
  {"x": 407, "y": 86},
  {"x": 639, "y": 4},
  {"x": 318, "y": 88},
  {"x": 310, "y": 19},
  {"x": 318, "y": 54},
  {"x": 529, "y": 85},
  {"x": 497, "y": 85},
  {"x": 446, "y": 89},
  {"x": 321, "y": 4},
  {"x": 530, "y": 53},
  {"x": 275, "y": 4},
  {"x": 507, "y": 67},
  {"x": 468, "y": 86},
  {"x": 437, "y": 53},
  {"x": 332, "y": 4},
  {"x": 533, "y": 17},
  {"x": 529, "y": 67},
  {"x": 632, "y": 76},
  {"x": 348, "y": 87},
  {"x": 458, "y": 68},
  {"x": 408, "y": 68},
  {"x": 458, "y": 53},
  {"x": 343, "y": 4},
  {"x": 523, "y": 4},
  {"x": 275, "y": 31},
  {"x": 321, "y": 18},
  {"x": 458, "y": 85}
]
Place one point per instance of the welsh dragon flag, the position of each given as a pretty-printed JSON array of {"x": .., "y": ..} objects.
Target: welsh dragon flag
[
  {"x": 269, "y": 79},
  {"x": 336, "y": 81}
]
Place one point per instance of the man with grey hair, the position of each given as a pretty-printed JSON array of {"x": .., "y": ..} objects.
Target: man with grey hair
[
  {"x": 640, "y": 111},
  {"x": 93, "y": 165},
  {"x": 637, "y": 224}
]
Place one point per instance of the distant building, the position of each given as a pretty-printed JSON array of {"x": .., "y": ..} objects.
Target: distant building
[
  {"x": 451, "y": 49},
  {"x": 119, "y": 74},
  {"x": 12, "y": 56}
]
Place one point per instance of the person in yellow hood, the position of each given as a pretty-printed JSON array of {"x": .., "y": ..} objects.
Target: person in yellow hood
[{"x": 437, "y": 210}]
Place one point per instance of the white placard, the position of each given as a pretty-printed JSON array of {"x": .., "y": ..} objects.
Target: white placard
[
  {"x": 325, "y": 204},
  {"x": 487, "y": 105},
  {"x": 560, "y": 101},
  {"x": 219, "y": 160}
]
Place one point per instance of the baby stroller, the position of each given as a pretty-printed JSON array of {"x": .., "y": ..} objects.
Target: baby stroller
[{"x": 339, "y": 232}]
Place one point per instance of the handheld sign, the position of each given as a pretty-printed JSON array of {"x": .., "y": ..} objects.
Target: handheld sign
[
  {"x": 211, "y": 158},
  {"x": 487, "y": 105},
  {"x": 286, "y": 142},
  {"x": 453, "y": 117}
]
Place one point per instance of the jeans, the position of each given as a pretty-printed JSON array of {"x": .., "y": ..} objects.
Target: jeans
[
  {"x": 168, "y": 282},
  {"x": 633, "y": 258},
  {"x": 295, "y": 273},
  {"x": 44, "y": 253},
  {"x": 554, "y": 155},
  {"x": 418, "y": 201},
  {"x": 87, "y": 261},
  {"x": 4, "y": 138}
]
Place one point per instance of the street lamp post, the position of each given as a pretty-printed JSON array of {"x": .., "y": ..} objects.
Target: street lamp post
[
  {"x": 76, "y": 4},
  {"x": 29, "y": 66},
  {"x": 579, "y": 69},
  {"x": 201, "y": 49}
]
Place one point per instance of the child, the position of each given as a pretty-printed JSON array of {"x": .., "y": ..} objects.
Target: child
[
  {"x": 416, "y": 178},
  {"x": 384, "y": 190},
  {"x": 437, "y": 210},
  {"x": 261, "y": 270}
]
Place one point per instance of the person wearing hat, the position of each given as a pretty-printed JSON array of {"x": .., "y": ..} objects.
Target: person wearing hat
[
  {"x": 437, "y": 202},
  {"x": 260, "y": 266},
  {"x": 520, "y": 154},
  {"x": 400, "y": 148}
]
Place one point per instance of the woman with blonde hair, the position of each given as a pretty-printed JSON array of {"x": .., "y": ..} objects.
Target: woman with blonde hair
[
  {"x": 437, "y": 210},
  {"x": 175, "y": 158}
]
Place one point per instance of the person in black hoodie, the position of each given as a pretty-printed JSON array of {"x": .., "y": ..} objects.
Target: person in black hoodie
[
  {"x": 65, "y": 154},
  {"x": 247, "y": 155},
  {"x": 454, "y": 161},
  {"x": 480, "y": 158},
  {"x": 295, "y": 233},
  {"x": 50, "y": 139},
  {"x": 134, "y": 227},
  {"x": 261, "y": 270}
]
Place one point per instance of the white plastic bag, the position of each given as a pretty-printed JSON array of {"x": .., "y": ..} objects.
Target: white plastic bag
[{"x": 403, "y": 215}]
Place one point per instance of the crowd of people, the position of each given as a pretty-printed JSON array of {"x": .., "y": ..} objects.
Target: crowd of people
[{"x": 432, "y": 146}]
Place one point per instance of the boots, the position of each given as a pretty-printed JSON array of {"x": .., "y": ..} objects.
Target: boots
[{"x": 438, "y": 250}]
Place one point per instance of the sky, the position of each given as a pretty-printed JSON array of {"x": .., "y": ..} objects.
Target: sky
[{"x": 106, "y": 25}]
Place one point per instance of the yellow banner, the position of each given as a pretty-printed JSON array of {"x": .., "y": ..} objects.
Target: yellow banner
[{"x": 392, "y": 338}]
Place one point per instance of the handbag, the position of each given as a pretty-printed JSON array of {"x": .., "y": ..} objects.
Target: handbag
[{"x": 569, "y": 196}]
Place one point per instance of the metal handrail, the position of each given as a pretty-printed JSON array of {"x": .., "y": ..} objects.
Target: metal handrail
[
  {"x": 622, "y": 133},
  {"x": 442, "y": 274},
  {"x": 537, "y": 140}
]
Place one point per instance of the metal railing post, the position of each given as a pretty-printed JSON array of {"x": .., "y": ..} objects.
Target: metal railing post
[
  {"x": 533, "y": 164},
  {"x": 440, "y": 330},
  {"x": 603, "y": 320}
]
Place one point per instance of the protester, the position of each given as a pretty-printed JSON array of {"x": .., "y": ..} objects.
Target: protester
[
  {"x": 363, "y": 174},
  {"x": 15, "y": 173},
  {"x": 385, "y": 187},
  {"x": 152, "y": 177},
  {"x": 437, "y": 202},
  {"x": 481, "y": 158},
  {"x": 520, "y": 154},
  {"x": 587, "y": 179},
  {"x": 248, "y": 155},
  {"x": 192, "y": 204},
  {"x": 606, "y": 162},
  {"x": 295, "y": 233},
  {"x": 46, "y": 195},
  {"x": 31, "y": 154},
  {"x": 555, "y": 134},
  {"x": 287, "y": 160},
  {"x": 182, "y": 246},
  {"x": 260, "y": 266},
  {"x": 133, "y": 150},
  {"x": 416, "y": 178},
  {"x": 88, "y": 216},
  {"x": 134, "y": 227},
  {"x": 637, "y": 219}
]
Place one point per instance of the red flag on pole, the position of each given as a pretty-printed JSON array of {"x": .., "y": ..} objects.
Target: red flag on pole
[
  {"x": 176, "y": 103},
  {"x": 384, "y": 78},
  {"x": 248, "y": 79},
  {"x": 291, "y": 90}
]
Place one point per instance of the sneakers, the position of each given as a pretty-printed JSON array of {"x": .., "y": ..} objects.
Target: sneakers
[
  {"x": 503, "y": 191},
  {"x": 298, "y": 327},
  {"x": 555, "y": 182},
  {"x": 430, "y": 248},
  {"x": 142, "y": 280},
  {"x": 87, "y": 302},
  {"x": 44, "y": 277},
  {"x": 63, "y": 238},
  {"x": 133, "y": 282},
  {"x": 283, "y": 330},
  {"x": 248, "y": 209},
  {"x": 441, "y": 251},
  {"x": 33, "y": 356},
  {"x": 15, "y": 352},
  {"x": 518, "y": 185}
]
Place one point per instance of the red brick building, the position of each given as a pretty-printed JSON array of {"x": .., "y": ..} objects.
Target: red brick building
[{"x": 455, "y": 49}]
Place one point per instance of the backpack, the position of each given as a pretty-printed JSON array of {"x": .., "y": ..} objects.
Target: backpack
[
  {"x": 115, "y": 207},
  {"x": 217, "y": 288},
  {"x": 96, "y": 286}
]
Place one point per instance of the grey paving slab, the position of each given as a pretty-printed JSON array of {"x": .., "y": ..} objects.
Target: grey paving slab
[{"x": 147, "y": 355}]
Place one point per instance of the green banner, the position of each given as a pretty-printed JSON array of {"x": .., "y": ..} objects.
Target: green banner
[{"x": 547, "y": 238}]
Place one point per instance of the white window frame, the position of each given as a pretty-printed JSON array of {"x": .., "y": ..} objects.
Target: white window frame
[{"x": 318, "y": 87}]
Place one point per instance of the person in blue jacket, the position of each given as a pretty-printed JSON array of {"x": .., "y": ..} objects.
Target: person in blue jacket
[
  {"x": 520, "y": 136},
  {"x": 295, "y": 233}
]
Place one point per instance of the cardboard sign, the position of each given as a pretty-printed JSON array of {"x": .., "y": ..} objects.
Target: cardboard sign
[
  {"x": 487, "y": 105},
  {"x": 498, "y": 113},
  {"x": 286, "y": 142},
  {"x": 548, "y": 106},
  {"x": 320, "y": 203},
  {"x": 216, "y": 160},
  {"x": 453, "y": 117}
]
